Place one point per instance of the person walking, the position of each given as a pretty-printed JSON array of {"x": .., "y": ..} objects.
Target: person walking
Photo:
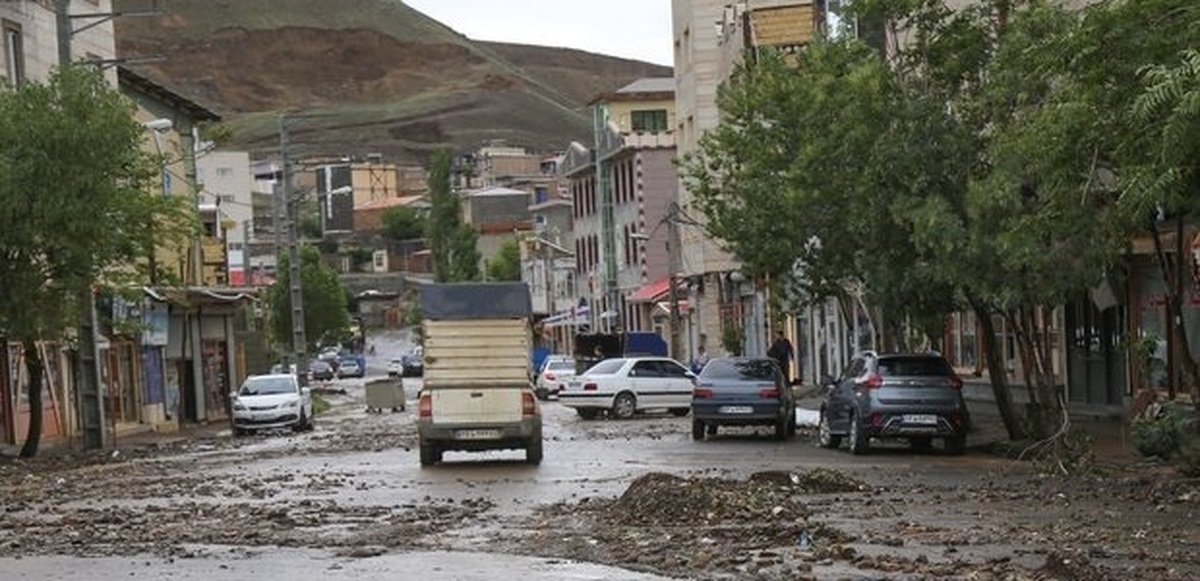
[
  {"x": 700, "y": 360},
  {"x": 781, "y": 351}
]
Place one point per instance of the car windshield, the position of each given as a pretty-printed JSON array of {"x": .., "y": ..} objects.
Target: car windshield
[
  {"x": 268, "y": 386},
  {"x": 608, "y": 366},
  {"x": 914, "y": 366},
  {"x": 741, "y": 369},
  {"x": 560, "y": 366}
]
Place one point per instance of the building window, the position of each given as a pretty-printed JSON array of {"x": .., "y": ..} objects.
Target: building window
[
  {"x": 224, "y": 172},
  {"x": 14, "y": 53},
  {"x": 652, "y": 121}
]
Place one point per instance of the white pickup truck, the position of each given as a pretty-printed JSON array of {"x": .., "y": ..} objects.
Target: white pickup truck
[{"x": 477, "y": 394}]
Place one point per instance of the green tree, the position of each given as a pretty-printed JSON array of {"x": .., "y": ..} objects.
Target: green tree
[
  {"x": 506, "y": 266},
  {"x": 326, "y": 316},
  {"x": 402, "y": 223},
  {"x": 76, "y": 200},
  {"x": 452, "y": 243}
]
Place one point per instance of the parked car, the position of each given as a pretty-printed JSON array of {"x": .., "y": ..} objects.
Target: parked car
[
  {"x": 320, "y": 370},
  {"x": 349, "y": 367},
  {"x": 556, "y": 370},
  {"x": 414, "y": 363},
  {"x": 395, "y": 367},
  {"x": 626, "y": 385},
  {"x": 894, "y": 395},
  {"x": 271, "y": 401},
  {"x": 739, "y": 391}
]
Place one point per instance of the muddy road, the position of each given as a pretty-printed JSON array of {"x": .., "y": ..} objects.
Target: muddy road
[{"x": 633, "y": 499}]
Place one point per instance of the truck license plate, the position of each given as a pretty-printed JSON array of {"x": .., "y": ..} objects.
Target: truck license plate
[
  {"x": 925, "y": 419},
  {"x": 477, "y": 434},
  {"x": 735, "y": 409}
]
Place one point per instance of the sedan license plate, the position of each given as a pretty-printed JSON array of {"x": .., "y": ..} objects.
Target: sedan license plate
[
  {"x": 923, "y": 419},
  {"x": 477, "y": 434},
  {"x": 735, "y": 409}
]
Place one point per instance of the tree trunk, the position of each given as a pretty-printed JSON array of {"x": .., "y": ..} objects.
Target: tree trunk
[
  {"x": 33, "y": 364},
  {"x": 999, "y": 381},
  {"x": 1045, "y": 408}
]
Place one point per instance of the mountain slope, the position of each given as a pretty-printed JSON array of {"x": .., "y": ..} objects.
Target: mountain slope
[{"x": 375, "y": 75}]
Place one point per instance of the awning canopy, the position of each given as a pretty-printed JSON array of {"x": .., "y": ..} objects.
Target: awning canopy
[{"x": 652, "y": 292}]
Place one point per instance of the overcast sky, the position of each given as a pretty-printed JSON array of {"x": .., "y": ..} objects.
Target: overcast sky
[{"x": 637, "y": 29}]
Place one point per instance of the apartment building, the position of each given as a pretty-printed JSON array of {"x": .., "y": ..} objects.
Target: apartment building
[{"x": 621, "y": 190}]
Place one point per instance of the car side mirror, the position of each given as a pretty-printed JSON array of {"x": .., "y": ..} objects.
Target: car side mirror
[
  {"x": 305, "y": 391},
  {"x": 691, "y": 374},
  {"x": 233, "y": 395}
]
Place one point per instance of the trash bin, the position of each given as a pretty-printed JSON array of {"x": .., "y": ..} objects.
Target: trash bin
[{"x": 385, "y": 394}]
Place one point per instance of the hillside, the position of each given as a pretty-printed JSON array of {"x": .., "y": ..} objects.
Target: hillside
[{"x": 376, "y": 76}]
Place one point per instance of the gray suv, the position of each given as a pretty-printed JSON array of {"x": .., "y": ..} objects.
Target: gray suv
[{"x": 894, "y": 395}]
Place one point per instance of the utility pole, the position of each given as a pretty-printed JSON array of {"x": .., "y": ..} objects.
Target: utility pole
[
  {"x": 90, "y": 400},
  {"x": 295, "y": 287},
  {"x": 246, "y": 269},
  {"x": 608, "y": 227},
  {"x": 673, "y": 248}
]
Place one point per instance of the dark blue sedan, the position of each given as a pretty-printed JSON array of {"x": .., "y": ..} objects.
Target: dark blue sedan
[{"x": 738, "y": 391}]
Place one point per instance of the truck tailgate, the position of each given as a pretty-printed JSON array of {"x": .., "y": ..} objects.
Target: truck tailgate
[{"x": 489, "y": 405}]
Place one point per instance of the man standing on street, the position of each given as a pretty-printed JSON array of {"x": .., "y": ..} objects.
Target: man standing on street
[{"x": 781, "y": 351}]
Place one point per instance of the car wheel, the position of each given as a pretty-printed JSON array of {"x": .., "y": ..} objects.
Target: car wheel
[
  {"x": 533, "y": 451},
  {"x": 711, "y": 429},
  {"x": 430, "y": 454},
  {"x": 825, "y": 435},
  {"x": 697, "y": 430},
  {"x": 956, "y": 445},
  {"x": 680, "y": 412},
  {"x": 624, "y": 405},
  {"x": 541, "y": 393},
  {"x": 302, "y": 423},
  {"x": 780, "y": 429},
  {"x": 920, "y": 444},
  {"x": 239, "y": 432},
  {"x": 791, "y": 429},
  {"x": 860, "y": 442}
]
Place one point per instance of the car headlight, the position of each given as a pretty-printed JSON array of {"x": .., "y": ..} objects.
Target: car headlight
[
  {"x": 291, "y": 404},
  {"x": 239, "y": 406}
]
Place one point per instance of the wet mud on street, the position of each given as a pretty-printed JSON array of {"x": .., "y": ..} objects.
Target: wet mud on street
[{"x": 634, "y": 499}]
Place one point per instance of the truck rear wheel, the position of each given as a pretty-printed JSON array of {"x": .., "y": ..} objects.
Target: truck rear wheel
[
  {"x": 430, "y": 454},
  {"x": 533, "y": 451}
]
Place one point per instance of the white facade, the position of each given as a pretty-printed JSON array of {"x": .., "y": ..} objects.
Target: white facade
[{"x": 226, "y": 182}]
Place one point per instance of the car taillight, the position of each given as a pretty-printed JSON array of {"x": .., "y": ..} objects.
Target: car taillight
[
  {"x": 768, "y": 393},
  {"x": 590, "y": 387},
  {"x": 956, "y": 382},
  {"x": 876, "y": 419},
  {"x": 956, "y": 418},
  {"x": 871, "y": 381},
  {"x": 702, "y": 393},
  {"x": 425, "y": 407},
  {"x": 549, "y": 377},
  {"x": 528, "y": 404}
]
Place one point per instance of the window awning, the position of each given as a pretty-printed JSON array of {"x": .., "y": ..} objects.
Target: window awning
[{"x": 652, "y": 292}]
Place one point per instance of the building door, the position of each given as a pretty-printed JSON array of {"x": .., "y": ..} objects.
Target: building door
[{"x": 1095, "y": 359}]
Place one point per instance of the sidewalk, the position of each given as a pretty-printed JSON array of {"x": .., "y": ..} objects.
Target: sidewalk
[{"x": 144, "y": 439}]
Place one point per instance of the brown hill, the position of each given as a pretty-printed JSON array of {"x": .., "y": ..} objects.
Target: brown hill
[{"x": 374, "y": 75}]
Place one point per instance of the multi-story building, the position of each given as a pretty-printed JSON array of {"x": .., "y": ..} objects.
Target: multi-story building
[
  {"x": 622, "y": 190},
  {"x": 227, "y": 185},
  {"x": 711, "y": 38}
]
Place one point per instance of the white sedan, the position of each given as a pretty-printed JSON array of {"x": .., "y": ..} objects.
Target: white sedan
[
  {"x": 624, "y": 386},
  {"x": 271, "y": 401}
]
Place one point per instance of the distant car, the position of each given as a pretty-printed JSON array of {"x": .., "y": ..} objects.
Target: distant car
[
  {"x": 271, "y": 401},
  {"x": 623, "y": 386},
  {"x": 894, "y": 395},
  {"x": 320, "y": 370},
  {"x": 738, "y": 391},
  {"x": 349, "y": 368},
  {"x": 556, "y": 370},
  {"x": 413, "y": 364},
  {"x": 395, "y": 367}
]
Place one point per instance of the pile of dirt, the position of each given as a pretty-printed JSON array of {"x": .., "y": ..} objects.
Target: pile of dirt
[{"x": 658, "y": 499}]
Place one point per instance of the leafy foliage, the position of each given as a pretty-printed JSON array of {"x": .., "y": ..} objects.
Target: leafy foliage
[
  {"x": 326, "y": 318},
  {"x": 506, "y": 266},
  {"x": 452, "y": 243},
  {"x": 1163, "y": 434},
  {"x": 402, "y": 223}
]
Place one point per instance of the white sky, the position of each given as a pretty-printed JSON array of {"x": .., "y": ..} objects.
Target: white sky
[{"x": 637, "y": 29}]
